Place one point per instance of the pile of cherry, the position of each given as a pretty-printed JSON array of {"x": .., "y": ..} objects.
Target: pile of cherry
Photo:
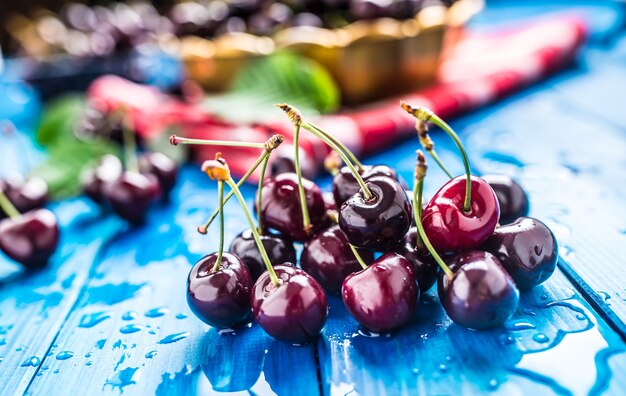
[{"x": 472, "y": 238}]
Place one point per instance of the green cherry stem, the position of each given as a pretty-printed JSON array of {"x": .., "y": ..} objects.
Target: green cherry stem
[
  {"x": 8, "y": 207},
  {"x": 176, "y": 140},
  {"x": 427, "y": 115},
  {"x": 255, "y": 234},
  {"x": 428, "y": 145},
  {"x": 220, "y": 252},
  {"x": 358, "y": 256},
  {"x": 419, "y": 184},
  {"x": 259, "y": 198},
  {"x": 306, "y": 220},
  {"x": 130, "y": 145},
  {"x": 308, "y": 126},
  {"x": 420, "y": 172}
]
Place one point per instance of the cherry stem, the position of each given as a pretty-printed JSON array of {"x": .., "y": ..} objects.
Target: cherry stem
[
  {"x": 130, "y": 146},
  {"x": 8, "y": 207},
  {"x": 259, "y": 198},
  {"x": 220, "y": 252},
  {"x": 306, "y": 220},
  {"x": 176, "y": 140},
  {"x": 417, "y": 210},
  {"x": 339, "y": 144},
  {"x": 435, "y": 157},
  {"x": 358, "y": 256},
  {"x": 255, "y": 234},
  {"x": 427, "y": 143}
]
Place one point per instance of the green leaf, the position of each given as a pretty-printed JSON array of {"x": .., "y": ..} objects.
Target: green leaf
[
  {"x": 59, "y": 118},
  {"x": 282, "y": 77}
]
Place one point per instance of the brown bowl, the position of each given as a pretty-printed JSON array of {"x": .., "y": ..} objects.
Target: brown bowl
[{"x": 368, "y": 59}]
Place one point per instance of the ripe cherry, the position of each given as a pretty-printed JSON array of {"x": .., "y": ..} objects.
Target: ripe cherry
[
  {"x": 295, "y": 310},
  {"x": 162, "y": 167},
  {"x": 383, "y": 296},
  {"x": 131, "y": 195},
  {"x": 512, "y": 198},
  {"x": 380, "y": 222},
  {"x": 328, "y": 258},
  {"x": 283, "y": 162},
  {"x": 220, "y": 298},
  {"x": 480, "y": 294},
  {"x": 108, "y": 169},
  {"x": 25, "y": 195},
  {"x": 30, "y": 239},
  {"x": 278, "y": 248},
  {"x": 527, "y": 249},
  {"x": 345, "y": 185},
  {"x": 281, "y": 206},
  {"x": 449, "y": 227},
  {"x": 424, "y": 266}
]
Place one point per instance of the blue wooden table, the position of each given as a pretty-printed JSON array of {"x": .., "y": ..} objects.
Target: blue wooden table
[{"x": 109, "y": 315}]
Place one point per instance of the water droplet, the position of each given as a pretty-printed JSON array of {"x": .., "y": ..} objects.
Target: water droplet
[
  {"x": 448, "y": 358},
  {"x": 416, "y": 370},
  {"x": 88, "y": 363},
  {"x": 65, "y": 355},
  {"x": 57, "y": 371},
  {"x": 368, "y": 333},
  {"x": 224, "y": 332},
  {"x": 541, "y": 338},
  {"x": 156, "y": 312},
  {"x": 3, "y": 341},
  {"x": 151, "y": 354},
  {"x": 88, "y": 355},
  {"x": 581, "y": 317},
  {"x": 39, "y": 374},
  {"x": 606, "y": 296},
  {"x": 44, "y": 368},
  {"x": 123, "y": 378},
  {"x": 32, "y": 361},
  {"x": 152, "y": 332},
  {"x": 181, "y": 316},
  {"x": 1, "y": 359},
  {"x": 100, "y": 343},
  {"x": 92, "y": 319},
  {"x": 443, "y": 368},
  {"x": 174, "y": 337},
  {"x": 493, "y": 383},
  {"x": 538, "y": 249},
  {"x": 516, "y": 326},
  {"x": 131, "y": 328},
  {"x": 18, "y": 349},
  {"x": 506, "y": 339},
  {"x": 129, "y": 315}
]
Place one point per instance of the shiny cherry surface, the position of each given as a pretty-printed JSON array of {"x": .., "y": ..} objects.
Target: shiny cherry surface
[
  {"x": 345, "y": 185},
  {"x": 278, "y": 248},
  {"x": 449, "y": 227},
  {"x": 282, "y": 162},
  {"x": 384, "y": 296},
  {"x": 220, "y": 298},
  {"x": 108, "y": 170},
  {"x": 30, "y": 239},
  {"x": 162, "y": 167},
  {"x": 512, "y": 198},
  {"x": 328, "y": 258},
  {"x": 25, "y": 195},
  {"x": 425, "y": 268},
  {"x": 295, "y": 311},
  {"x": 131, "y": 195},
  {"x": 380, "y": 222},
  {"x": 481, "y": 294},
  {"x": 527, "y": 249},
  {"x": 281, "y": 206}
]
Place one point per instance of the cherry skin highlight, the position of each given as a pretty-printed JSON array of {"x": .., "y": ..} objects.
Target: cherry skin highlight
[
  {"x": 278, "y": 248},
  {"x": 30, "y": 239},
  {"x": 94, "y": 180},
  {"x": 295, "y": 311},
  {"x": 345, "y": 185},
  {"x": 220, "y": 298},
  {"x": 25, "y": 195},
  {"x": 327, "y": 257},
  {"x": 527, "y": 249},
  {"x": 449, "y": 227}
]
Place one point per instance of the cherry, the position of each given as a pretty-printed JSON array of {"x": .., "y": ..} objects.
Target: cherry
[
  {"x": 345, "y": 185},
  {"x": 220, "y": 298},
  {"x": 449, "y": 227},
  {"x": 295, "y": 310},
  {"x": 279, "y": 250},
  {"x": 30, "y": 239},
  {"x": 106, "y": 171},
  {"x": 527, "y": 249},
  {"x": 424, "y": 266},
  {"x": 283, "y": 162},
  {"x": 162, "y": 167},
  {"x": 281, "y": 206},
  {"x": 378, "y": 223},
  {"x": 512, "y": 198},
  {"x": 131, "y": 195},
  {"x": 480, "y": 294},
  {"x": 328, "y": 258},
  {"x": 383, "y": 296},
  {"x": 25, "y": 195}
]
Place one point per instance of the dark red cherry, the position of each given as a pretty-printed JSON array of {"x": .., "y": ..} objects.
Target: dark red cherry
[
  {"x": 380, "y": 222},
  {"x": 93, "y": 180},
  {"x": 295, "y": 311},
  {"x": 283, "y": 162},
  {"x": 449, "y": 227},
  {"x": 278, "y": 248},
  {"x": 25, "y": 195},
  {"x": 329, "y": 201},
  {"x": 220, "y": 298},
  {"x": 481, "y": 294},
  {"x": 384, "y": 296},
  {"x": 281, "y": 206},
  {"x": 424, "y": 266},
  {"x": 345, "y": 185},
  {"x": 162, "y": 167},
  {"x": 512, "y": 198},
  {"x": 131, "y": 195},
  {"x": 328, "y": 258},
  {"x": 527, "y": 249},
  {"x": 31, "y": 238}
]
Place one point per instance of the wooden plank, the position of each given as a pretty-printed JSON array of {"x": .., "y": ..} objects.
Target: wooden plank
[
  {"x": 150, "y": 342},
  {"x": 33, "y": 307}
]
